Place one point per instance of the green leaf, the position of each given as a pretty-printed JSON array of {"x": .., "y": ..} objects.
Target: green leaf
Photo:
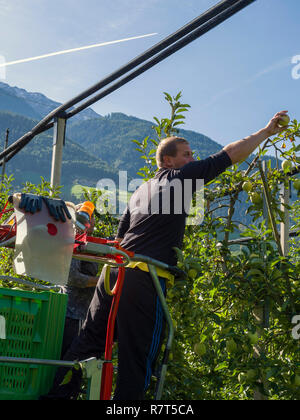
[
  {"x": 221, "y": 366},
  {"x": 136, "y": 142},
  {"x": 155, "y": 142},
  {"x": 254, "y": 272},
  {"x": 168, "y": 97},
  {"x": 67, "y": 379},
  {"x": 178, "y": 96},
  {"x": 179, "y": 253}
]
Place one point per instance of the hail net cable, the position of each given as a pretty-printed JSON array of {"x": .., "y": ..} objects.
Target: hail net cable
[
  {"x": 163, "y": 55},
  {"x": 17, "y": 149},
  {"x": 43, "y": 125}
]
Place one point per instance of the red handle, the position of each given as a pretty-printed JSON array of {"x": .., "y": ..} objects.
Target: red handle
[{"x": 107, "y": 371}]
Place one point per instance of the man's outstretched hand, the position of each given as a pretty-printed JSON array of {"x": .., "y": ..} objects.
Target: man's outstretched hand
[{"x": 273, "y": 126}]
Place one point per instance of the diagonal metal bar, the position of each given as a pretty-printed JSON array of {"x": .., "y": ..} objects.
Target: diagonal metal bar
[
  {"x": 225, "y": 9},
  {"x": 203, "y": 29}
]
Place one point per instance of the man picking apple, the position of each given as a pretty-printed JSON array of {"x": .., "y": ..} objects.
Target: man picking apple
[{"x": 140, "y": 323}]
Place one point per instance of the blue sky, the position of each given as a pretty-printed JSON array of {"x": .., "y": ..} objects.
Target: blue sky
[{"x": 236, "y": 77}]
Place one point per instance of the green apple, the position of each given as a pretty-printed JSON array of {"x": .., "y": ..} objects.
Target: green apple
[
  {"x": 170, "y": 294},
  {"x": 192, "y": 273},
  {"x": 247, "y": 186},
  {"x": 256, "y": 198},
  {"x": 231, "y": 346},
  {"x": 286, "y": 165},
  {"x": 253, "y": 338},
  {"x": 297, "y": 380},
  {"x": 251, "y": 374},
  {"x": 246, "y": 348},
  {"x": 297, "y": 184},
  {"x": 200, "y": 349},
  {"x": 284, "y": 120},
  {"x": 242, "y": 377}
]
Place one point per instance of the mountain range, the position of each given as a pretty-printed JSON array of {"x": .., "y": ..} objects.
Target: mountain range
[{"x": 33, "y": 105}]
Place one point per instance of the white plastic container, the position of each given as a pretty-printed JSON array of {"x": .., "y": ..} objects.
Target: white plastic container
[{"x": 44, "y": 246}]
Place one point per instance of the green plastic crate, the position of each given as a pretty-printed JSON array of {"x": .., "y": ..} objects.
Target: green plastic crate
[{"x": 32, "y": 327}]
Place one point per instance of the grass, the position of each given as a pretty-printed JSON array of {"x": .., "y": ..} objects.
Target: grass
[{"x": 78, "y": 191}]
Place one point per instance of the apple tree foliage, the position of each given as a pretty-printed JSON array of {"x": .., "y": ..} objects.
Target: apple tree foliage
[{"x": 241, "y": 292}]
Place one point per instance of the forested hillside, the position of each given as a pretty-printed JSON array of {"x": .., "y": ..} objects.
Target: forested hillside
[
  {"x": 35, "y": 159},
  {"x": 110, "y": 138}
]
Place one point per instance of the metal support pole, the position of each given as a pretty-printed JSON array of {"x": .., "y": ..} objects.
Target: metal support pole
[
  {"x": 4, "y": 159},
  {"x": 58, "y": 143},
  {"x": 285, "y": 225},
  {"x": 92, "y": 370}
]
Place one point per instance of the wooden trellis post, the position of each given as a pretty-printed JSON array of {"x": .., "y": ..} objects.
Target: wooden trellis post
[
  {"x": 58, "y": 144},
  {"x": 261, "y": 312},
  {"x": 4, "y": 160}
]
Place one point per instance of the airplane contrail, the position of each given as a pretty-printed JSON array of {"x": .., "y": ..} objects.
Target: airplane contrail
[{"x": 39, "y": 57}]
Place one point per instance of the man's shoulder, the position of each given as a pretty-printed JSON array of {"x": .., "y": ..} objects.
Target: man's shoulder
[{"x": 166, "y": 173}]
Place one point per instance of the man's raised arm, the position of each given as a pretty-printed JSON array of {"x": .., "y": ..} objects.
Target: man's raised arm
[{"x": 241, "y": 149}]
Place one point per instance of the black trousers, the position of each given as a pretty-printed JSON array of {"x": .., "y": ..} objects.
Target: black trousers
[
  {"x": 71, "y": 331},
  {"x": 139, "y": 330}
]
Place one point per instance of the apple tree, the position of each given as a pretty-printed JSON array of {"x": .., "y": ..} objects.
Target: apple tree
[{"x": 233, "y": 314}]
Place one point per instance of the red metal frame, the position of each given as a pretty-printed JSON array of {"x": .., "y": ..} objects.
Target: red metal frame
[{"x": 107, "y": 369}]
